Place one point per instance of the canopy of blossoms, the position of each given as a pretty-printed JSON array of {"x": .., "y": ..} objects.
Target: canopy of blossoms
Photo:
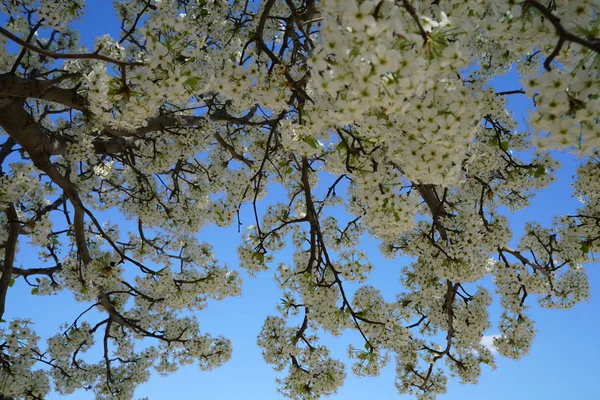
[{"x": 195, "y": 107}]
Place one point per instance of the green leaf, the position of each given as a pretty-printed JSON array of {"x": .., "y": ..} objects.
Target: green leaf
[
  {"x": 73, "y": 9},
  {"x": 2, "y": 320},
  {"x": 311, "y": 141},
  {"x": 35, "y": 290},
  {"x": 161, "y": 270},
  {"x": 341, "y": 145},
  {"x": 585, "y": 247},
  {"x": 192, "y": 82},
  {"x": 260, "y": 257},
  {"x": 11, "y": 283},
  {"x": 540, "y": 171},
  {"x": 504, "y": 145}
]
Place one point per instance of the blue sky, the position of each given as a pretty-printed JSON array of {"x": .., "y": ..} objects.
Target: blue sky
[{"x": 563, "y": 362}]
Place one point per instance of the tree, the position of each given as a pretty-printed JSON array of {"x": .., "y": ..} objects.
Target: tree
[{"x": 195, "y": 107}]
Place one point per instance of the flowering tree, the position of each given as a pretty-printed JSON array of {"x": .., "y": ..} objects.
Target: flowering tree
[{"x": 196, "y": 106}]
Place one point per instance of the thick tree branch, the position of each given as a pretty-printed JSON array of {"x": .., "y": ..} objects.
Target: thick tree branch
[
  {"x": 29, "y": 135},
  {"x": 26, "y": 272},
  {"x": 436, "y": 207},
  {"x": 14, "y": 86},
  {"x": 10, "y": 248},
  {"x": 113, "y": 141}
]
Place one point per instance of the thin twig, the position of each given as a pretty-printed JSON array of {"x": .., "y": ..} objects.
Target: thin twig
[
  {"x": 24, "y": 50},
  {"x": 56, "y": 56}
]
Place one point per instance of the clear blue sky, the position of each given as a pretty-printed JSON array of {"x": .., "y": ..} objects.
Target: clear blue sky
[{"x": 563, "y": 362}]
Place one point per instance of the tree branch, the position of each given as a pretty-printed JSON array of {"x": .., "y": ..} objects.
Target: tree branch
[
  {"x": 413, "y": 13},
  {"x": 56, "y": 56},
  {"x": 563, "y": 34},
  {"x": 9, "y": 253},
  {"x": 435, "y": 206},
  {"x": 36, "y": 271},
  {"x": 29, "y": 135},
  {"x": 14, "y": 86},
  {"x": 507, "y": 92},
  {"x": 24, "y": 49}
]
